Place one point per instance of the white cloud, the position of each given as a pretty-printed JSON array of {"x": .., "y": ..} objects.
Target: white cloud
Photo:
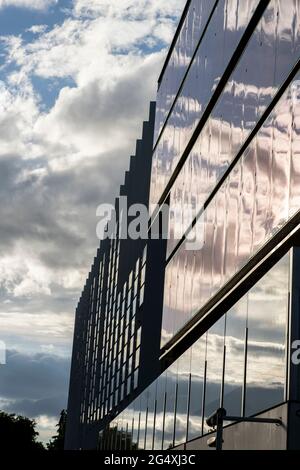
[
  {"x": 30, "y": 4},
  {"x": 23, "y": 274},
  {"x": 37, "y": 28},
  {"x": 129, "y": 8},
  {"x": 97, "y": 117},
  {"x": 46, "y": 427},
  {"x": 91, "y": 124},
  {"x": 91, "y": 52}
]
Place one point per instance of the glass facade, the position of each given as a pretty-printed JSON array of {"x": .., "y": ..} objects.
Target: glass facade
[
  {"x": 224, "y": 31},
  {"x": 260, "y": 194},
  {"x": 266, "y": 354},
  {"x": 239, "y": 364},
  {"x": 188, "y": 38},
  {"x": 108, "y": 352},
  {"x": 246, "y": 132},
  {"x": 235, "y": 337},
  {"x": 112, "y": 364},
  {"x": 266, "y": 62}
]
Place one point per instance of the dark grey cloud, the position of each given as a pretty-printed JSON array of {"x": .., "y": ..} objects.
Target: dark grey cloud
[{"x": 34, "y": 384}]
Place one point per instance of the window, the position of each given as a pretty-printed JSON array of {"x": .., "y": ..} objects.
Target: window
[
  {"x": 214, "y": 358},
  {"x": 138, "y": 337},
  {"x": 198, "y": 357},
  {"x": 143, "y": 418},
  {"x": 129, "y": 384},
  {"x": 235, "y": 357},
  {"x": 170, "y": 406},
  {"x": 136, "y": 378},
  {"x": 142, "y": 289},
  {"x": 130, "y": 365},
  {"x": 137, "y": 357},
  {"x": 267, "y": 326},
  {"x": 151, "y": 395},
  {"x": 183, "y": 378}
]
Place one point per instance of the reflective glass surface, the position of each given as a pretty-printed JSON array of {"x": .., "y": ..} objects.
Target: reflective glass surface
[
  {"x": 266, "y": 62},
  {"x": 240, "y": 362},
  {"x": 183, "y": 383},
  {"x": 267, "y": 332},
  {"x": 169, "y": 423},
  {"x": 143, "y": 419},
  {"x": 136, "y": 411},
  {"x": 198, "y": 358},
  {"x": 222, "y": 36},
  {"x": 202, "y": 368},
  {"x": 151, "y": 395},
  {"x": 160, "y": 408},
  {"x": 235, "y": 357},
  {"x": 214, "y": 371},
  {"x": 260, "y": 194},
  {"x": 187, "y": 40}
]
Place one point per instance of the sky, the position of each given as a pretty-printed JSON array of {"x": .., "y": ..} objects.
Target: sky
[{"x": 76, "y": 78}]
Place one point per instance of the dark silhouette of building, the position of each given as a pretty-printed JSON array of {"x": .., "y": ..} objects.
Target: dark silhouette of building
[{"x": 169, "y": 330}]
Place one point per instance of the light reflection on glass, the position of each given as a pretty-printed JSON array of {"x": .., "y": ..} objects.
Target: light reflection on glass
[
  {"x": 183, "y": 379},
  {"x": 188, "y": 38},
  {"x": 244, "y": 99},
  {"x": 160, "y": 406},
  {"x": 222, "y": 36},
  {"x": 171, "y": 384},
  {"x": 151, "y": 396},
  {"x": 214, "y": 357},
  {"x": 235, "y": 357},
  {"x": 267, "y": 330},
  {"x": 198, "y": 358},
  {"x": 263, "y": 310},
  {"x": 253, "y": 203}
]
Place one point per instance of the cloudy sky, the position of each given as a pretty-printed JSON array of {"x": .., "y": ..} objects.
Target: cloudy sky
[{"x": 76, "y": 78}]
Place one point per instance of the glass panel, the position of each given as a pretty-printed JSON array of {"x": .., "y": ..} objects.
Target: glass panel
[
  {"x": 254, "y": 202},
  {"x": 198, "y": 357},
  {"x": 295, "y": 149},
  {"x": 143, "y": 417},
  {"x": 183, "y": 379},
  {"x": 267, "y": 324},
  {"x": 171, "y": 376},
  {"x": 190, "y": 33},
  {"x": 225, "y": 29},
  {"x": 235, "y": 357},
  {"x": 151, "y": 394},
  {"x": 160, "y": 406},
  {"x": 214, "y": 358},
  {"x": 130, "y": 423},
  {"x": 240, "y": 106},
  {"x": 136, "y": 413}
]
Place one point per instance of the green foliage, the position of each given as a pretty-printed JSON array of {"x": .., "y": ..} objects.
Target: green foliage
[
  {"x": 57, "y": 441},
  {"x": 18, "y": 432}
]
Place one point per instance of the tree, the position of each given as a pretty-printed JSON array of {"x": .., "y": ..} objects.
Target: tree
[
  {"x": 57, "y": 442},
  {"x": 18, "y": 432}
]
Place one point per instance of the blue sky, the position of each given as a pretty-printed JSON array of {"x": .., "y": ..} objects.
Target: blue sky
[
  {"x": 76, "y": 78},
  {"x": 16, "y": 20}
]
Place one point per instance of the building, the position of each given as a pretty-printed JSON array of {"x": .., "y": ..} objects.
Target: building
[
  {"x": 220, "y": 325},
  {"x": 113, "y": 357}
]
